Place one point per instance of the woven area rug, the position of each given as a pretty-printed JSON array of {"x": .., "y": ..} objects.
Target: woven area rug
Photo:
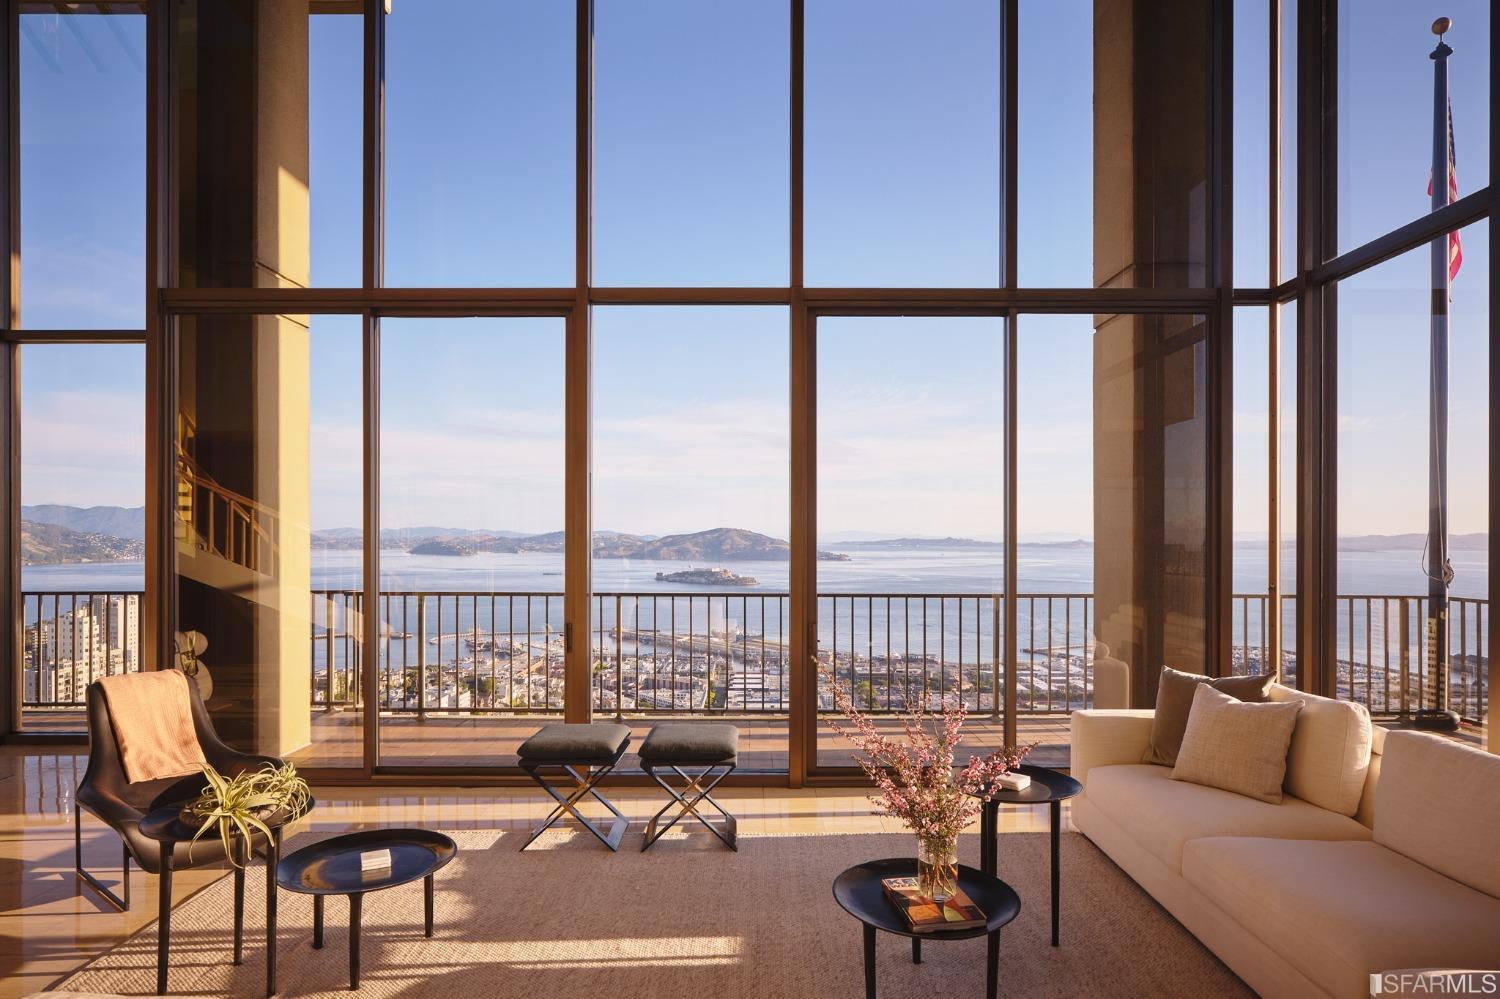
[{"x": 568, "y": 918}]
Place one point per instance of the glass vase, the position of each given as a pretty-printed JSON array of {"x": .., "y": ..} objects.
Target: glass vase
[{"x": 937, "y": 868}]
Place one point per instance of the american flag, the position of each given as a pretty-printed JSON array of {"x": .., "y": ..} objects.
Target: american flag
[{"x": 1455, "y": 245}]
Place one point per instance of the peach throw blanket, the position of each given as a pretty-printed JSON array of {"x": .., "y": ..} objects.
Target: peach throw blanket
[{"x": 153, "y": 722}]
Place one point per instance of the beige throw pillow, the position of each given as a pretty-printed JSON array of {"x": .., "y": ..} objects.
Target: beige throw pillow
[
  {"x": 1174, "y": 699},
  {"x": 1235, "y": 745}
]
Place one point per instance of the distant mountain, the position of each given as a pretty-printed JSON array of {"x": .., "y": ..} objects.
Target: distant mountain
[
  {"x": 720, "y": 544},
  {"x": 1411, "y": 542},
  {"x": 922, "y": 543},
  {"x": 51, "y": 544},
  {"x": 116, "y": 521}
]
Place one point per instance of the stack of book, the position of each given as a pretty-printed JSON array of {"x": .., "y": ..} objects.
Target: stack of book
[{"x": 923, "y": 915}]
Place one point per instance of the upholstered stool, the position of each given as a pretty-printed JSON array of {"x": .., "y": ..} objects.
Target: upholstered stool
[
  {"x": 700, "y": 754},
  {"x": 568, "y": 748}
]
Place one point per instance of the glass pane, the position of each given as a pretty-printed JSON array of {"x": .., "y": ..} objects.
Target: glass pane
[
  {"x": 690, "y": 497},
  {"x": 1385, "y": 109},
  {"x": 911, "y": 502},
  {"x": 480, "y": 132},
  {"x": 1056, "y": 629},
  {"x": 903, "y": 143},
  {"x": 268, "y": 460},
  {"x": 1288, "y": 491},
  {"x": 691, "y": 143},
  {"x": 1113, "y": 144},
  {"x": 335, "y": 136},
  {"x": 83, "y": 170},
  {"x": 1393, "y": 522},
  {"x": 83, "y": 524},
  {"x": 269, "y": 178},
  {"x": 1253, "y": 624},
  {"x": 471, "y": 561},
  {"x": 1055, "y": 158},
  {"x": 1288, "y": 164},
  {"x": 1252, "y": 144},
  {"x": 1150, "y": 500}
]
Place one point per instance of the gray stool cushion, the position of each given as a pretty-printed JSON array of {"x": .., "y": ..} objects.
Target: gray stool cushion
[
  {"x": 575, "y": 744},
  {"x": 696, "y": 744}
]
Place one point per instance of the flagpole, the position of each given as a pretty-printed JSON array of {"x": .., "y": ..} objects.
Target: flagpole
[{"x": 1439, "y": 570}]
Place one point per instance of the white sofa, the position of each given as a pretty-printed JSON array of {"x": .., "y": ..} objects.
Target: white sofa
[{"x": 1386, "y": 857}]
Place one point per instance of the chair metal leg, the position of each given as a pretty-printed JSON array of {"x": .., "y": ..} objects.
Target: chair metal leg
[
  {"x": 121, "y": 904},
  {"x": 697, "y": 789},
  {"x": 567, "y": 804}
]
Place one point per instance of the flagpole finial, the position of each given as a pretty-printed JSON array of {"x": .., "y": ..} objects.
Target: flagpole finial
[{"x": 1442, "y": 26}]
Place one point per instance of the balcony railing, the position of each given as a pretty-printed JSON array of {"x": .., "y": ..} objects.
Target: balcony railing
[
  {"x": 454, "y": 652},
  {"x": 71, "y": 639}
]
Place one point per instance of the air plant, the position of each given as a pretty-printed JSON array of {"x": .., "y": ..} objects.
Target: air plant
[{"x": 243, "y": 803}]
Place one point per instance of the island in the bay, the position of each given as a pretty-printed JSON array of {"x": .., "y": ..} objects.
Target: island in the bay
[{"x": 706, "y": 577}]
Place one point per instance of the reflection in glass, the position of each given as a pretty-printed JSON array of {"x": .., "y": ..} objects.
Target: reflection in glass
[{"x": 1113, "y": 144}]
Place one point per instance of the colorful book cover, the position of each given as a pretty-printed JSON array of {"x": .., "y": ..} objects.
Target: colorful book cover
[{"x": 924, "y": 915}]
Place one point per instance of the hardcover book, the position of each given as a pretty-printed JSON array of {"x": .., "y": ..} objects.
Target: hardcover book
[{"x": 923, "y": 915}]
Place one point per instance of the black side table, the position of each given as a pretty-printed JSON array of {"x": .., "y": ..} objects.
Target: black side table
[
  {"x": 861, "y": 894},
  {"x": 165, "y": 825},
  {"x": 332, "y": 867},
  {"x": 1047, "y": 787}
]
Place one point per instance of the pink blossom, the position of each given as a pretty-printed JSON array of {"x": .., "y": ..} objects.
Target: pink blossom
[{"x": 915, "y": 777}]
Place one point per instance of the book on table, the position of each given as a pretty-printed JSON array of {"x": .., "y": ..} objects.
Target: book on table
[
  {"x": 923, "y": 915},
  {"x": 1013, "y": 782}
]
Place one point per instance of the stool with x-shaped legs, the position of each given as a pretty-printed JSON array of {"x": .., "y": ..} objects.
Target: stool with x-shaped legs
[
  {"x": 700, "y": 755},
  {"x": 571, "y": 748}
]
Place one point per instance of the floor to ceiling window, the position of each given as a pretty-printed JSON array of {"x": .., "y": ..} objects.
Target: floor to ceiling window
[
  {"x": 911, "y": 519},
  {"x": 81, "y": 103},
  {"x": 642, "y": 358},
  {"x": 689, "y": 554},
  {"x": 471, "y": 538}
]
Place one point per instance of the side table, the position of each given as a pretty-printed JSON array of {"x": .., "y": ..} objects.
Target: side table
[
  {"x": 1047, "y": 787},
  {"x": 332, "y": 867},
  {"x": 860, "y": 892}
]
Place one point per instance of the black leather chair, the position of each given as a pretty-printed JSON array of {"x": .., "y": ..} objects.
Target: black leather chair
[{"x": 106, "y": 793}]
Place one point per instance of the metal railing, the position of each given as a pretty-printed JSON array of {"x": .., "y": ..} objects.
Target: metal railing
[
  {"x": 457, "y": 652},
  {"x": 71, "y": 639}
]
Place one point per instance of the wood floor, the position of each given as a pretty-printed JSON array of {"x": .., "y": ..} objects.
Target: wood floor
[
  {"x": 49, "y": 925},
  {"x": 490, "y": 741}
]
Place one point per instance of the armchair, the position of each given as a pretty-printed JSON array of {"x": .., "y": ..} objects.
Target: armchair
[{"x": 106, "y": 793}]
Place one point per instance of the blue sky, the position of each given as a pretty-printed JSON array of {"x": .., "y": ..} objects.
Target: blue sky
[{"x": 691, "y": 183}]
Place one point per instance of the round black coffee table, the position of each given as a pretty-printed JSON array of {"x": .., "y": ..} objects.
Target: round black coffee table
[
  {"x": 332, "y": 867},
  {"x": 1048, "y": 787},
  {"x": 861, "y": 894},
  {"x": 165, "y": 825}
]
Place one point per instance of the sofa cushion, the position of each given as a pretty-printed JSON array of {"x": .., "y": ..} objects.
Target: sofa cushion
[
  {"x": 1330, "y": 752},
  {"x": 1163, "y": 814},
  {"x": 1438, "y": 802},
  {"x": 1235, "y": 745},
  {"x": 1340, "y": 911},
  {"x": 1174, "y": 702}
]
